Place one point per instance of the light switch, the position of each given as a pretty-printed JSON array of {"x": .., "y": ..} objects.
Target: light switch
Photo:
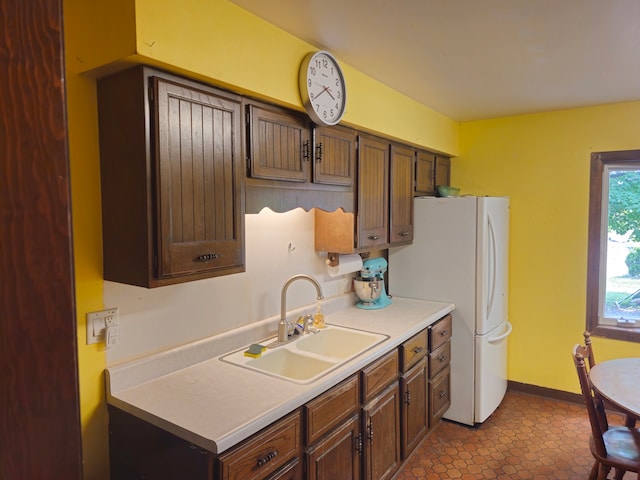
[{"x": 97, "y": 324}]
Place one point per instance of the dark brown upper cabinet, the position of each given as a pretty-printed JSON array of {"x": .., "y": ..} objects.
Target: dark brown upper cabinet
[
  {"x": 171, "y": 177},
  {"x": 384, "y": 201},
  {"x": 373, "y": 192},
  {"x": 401, "y": 194},
  {"x": 431, "y": 170},
  {"x": 291, "y": 163},
  {"x": 279, "y": 144},
  {"x": 334, "y": 156}
]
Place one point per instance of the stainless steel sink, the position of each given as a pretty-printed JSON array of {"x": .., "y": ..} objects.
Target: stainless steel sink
[{"x": 309, "y": 357}]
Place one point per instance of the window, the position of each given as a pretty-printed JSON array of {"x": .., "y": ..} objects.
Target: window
[{"x": 613, "y": 275}]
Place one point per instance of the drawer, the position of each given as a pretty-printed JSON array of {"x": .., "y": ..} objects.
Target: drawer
[
  {"x": 413, "y": 350},
  {"x": 439, "y": 396},
  {"x": 326, "y": 411},
  {"x": 439, "y": 358},
  {"x": 263, "y": 453},
  {"x": 439, "y": 332},
  {"x": 291, "y": 471},
  {"x": 379, "y": 374}
]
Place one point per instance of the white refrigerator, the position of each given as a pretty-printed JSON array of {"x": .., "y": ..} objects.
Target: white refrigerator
[{"x": 460, "y": 255}]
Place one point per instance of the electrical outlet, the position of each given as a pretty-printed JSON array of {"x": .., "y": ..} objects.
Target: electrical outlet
[{"x": 97, "y": 324}]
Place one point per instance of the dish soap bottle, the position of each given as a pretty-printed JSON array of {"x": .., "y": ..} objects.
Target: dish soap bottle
[{"x": 318, "y": 318}]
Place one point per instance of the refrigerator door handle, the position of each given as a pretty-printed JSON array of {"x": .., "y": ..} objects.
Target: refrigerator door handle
[
  {"x": 501, "y": 337},
  {"x": 492, "y": 267}
]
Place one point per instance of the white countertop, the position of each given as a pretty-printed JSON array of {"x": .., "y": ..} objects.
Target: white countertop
[{"x": 191, "y": 393}]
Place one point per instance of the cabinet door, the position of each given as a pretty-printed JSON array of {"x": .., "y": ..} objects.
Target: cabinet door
[
  {"x": 439, "y": 396},
  {"x": 382, "y": 435},
  {"x": 337, "y": 456},
  {"x": 198, "y": 150},
  {"x": 280, "y": 146},
  {"x": 425, "y": 173},
  {"x": 401, "y": 194},
  {"x": 373, "y": 192},
  {"x": 414, "y": 386},
  {"x": 443, "y": 170},
  {"x": 334, "y": 156}
]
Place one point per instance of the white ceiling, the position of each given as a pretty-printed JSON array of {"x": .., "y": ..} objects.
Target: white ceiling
[{"x": 475, "y": 59}]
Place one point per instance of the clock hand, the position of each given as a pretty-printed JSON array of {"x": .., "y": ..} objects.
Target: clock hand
[
  {"x": 329, "y": 92},
  {"x": 323, "y": 90}
]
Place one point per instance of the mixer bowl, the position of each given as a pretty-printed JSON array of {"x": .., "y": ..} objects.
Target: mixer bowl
[{"x": 369, "y": 289}]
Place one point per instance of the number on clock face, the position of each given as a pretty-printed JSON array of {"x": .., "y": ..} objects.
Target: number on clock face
[{"x": 325, "y": 89}]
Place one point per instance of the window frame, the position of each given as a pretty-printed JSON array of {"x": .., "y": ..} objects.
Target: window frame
[{"x": 599, "y": 160}]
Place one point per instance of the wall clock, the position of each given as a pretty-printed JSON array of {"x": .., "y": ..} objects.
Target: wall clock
[{"x": 322, "y": 88}]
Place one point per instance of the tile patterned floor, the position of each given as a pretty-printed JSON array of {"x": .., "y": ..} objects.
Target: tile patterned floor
[{"x": 528, "y": 437}]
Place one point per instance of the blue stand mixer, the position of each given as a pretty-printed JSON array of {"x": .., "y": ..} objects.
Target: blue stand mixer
[{"x": 369, "y": 285}]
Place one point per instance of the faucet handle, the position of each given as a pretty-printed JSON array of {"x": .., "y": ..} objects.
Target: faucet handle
[{"x": 304, "y": 324}]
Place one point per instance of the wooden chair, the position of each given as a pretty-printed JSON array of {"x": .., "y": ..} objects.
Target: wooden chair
[
  {"x": 629, "y": 420},
  {"x": 615, "y": 447}
]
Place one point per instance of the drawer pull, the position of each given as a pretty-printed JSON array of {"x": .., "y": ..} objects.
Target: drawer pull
[
  {"x": 417, "y": 350},
  {"x": 267, "y": 458},
  {"x": 207, "y": 257},
  {"x": 404, "y": 234},
  {"x": 444, "y": 333},
  {"x": 374, "y": 237},
  {"x": 442, "y": 358},
  {"x": 443, "y": 394}
]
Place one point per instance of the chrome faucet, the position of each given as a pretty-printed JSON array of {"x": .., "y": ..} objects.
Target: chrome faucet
[{"x": 283, "y": 325}]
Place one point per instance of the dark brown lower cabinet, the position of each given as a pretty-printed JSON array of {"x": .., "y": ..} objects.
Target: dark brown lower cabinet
[
  {"x": 337, "y": 456},
  {"x": 414, "y": 406},
  {"x": 382, "y": 434}
]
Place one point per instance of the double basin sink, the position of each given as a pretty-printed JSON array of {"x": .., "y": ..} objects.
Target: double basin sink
[{"x": 306, "y": 358}]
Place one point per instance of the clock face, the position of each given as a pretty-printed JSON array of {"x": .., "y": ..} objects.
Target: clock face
[{"x": 322, "y": 88}]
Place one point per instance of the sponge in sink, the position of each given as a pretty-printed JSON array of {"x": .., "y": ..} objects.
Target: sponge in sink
[{"x": 255, "y": 350}]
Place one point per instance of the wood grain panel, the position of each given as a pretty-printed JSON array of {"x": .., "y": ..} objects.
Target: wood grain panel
[
  {"x": 334, "y": 156},
  {"x": 39, "y": 411},
  {"x": 373, "y": 192},
  {"x": 401, "y": 192},
  {"x": 425, "y": 173},
  {"x": 197, "y": 160},
  {"x": 277, "y": 144}
]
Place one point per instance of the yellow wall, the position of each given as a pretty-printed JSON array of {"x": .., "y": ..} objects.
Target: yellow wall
[
  {"x": 542, "y": 162},
  {"x": 214, "y": 41}
]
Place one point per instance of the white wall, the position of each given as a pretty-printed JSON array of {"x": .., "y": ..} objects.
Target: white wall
[{"x": 155, "y": 319}]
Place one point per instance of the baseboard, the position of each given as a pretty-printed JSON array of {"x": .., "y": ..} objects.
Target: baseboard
[{"x": 545, "y": 392}]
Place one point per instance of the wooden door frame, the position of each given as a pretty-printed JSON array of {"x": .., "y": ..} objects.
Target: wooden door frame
[{"x": 40, "y": 429}]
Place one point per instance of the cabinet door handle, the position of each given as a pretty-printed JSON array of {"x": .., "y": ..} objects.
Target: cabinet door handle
[
  {"x": 207, "y": 257},
  {"x": 359, "y": 446},
  {"x": 370, "y": 429},
  {"x": 306, "y": 150},
  {"x": 319, "y": 152},
  {"x": 267, "y": 458},
  {"x": 408, "y": 399},
  {"x": 374, "y": 237}
]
